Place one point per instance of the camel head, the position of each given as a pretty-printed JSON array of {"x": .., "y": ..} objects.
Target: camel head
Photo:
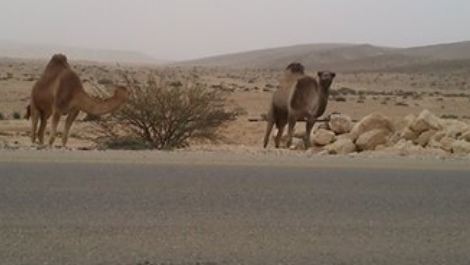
[
  {"x": 295, "y": 68},
  {"x": 121, "y": 92},
  {"x": 59, "y": 57},
  {"x": 58, "y": 60},
  {"x": 325, "y": 79}
]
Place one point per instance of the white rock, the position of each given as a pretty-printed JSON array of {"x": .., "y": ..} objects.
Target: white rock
[
  {"x": 407, "y": 147},
  {"x": 465, "y": 136},
  {"x": 409, "y": 120},
  {"x": 425, "y": 137},
  {"x": 323, "y": 137},
  {"x": 371, "y": 122},
  {"x": 426, "y": 121},
  {"x": 408, "y": 134},
  {"x": 297, "y": 144},
  {"x": 461, "y": 147},
  {"x": 396, "y": 136},
  {"x": 438, "y": 136},
  {"x": 340, "y": 123},
  {"x": 454, "y": 128},
  {"x": 446, "y": 143},
  {"x": 341, "y": 146},
  {"x": 371, "y": 139}
]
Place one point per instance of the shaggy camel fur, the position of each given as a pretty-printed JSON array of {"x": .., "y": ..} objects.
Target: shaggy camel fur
[
  {"x": 58, "y": 92},
  {"x": 298, "y": 97}
]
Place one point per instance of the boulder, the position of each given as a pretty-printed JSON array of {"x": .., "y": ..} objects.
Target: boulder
[
  {"x": 408, "y": 134},
  {"x": 371, "y": 139},
  {"x": 396, "y": 136},
  {"x": 407, "y": 147},
  {"x": 297, "y": 144},
  {"x": 454, "y": 128},
  {"x": 372, "y": 122},
  {"x": 438, "y": 136},
  {"x": 323, "y": 125},
  {"x": 341, "y": 146},
  {"x": 446, "y": 143},
  {"x": 461, "y": 147},
  {"x": 465, "y": 136},
  {"x": 340, "y": 123},
  {"x": 409, "y": 120},
  {"x": 426, "y": 121},
  {"x": 322, "y": 137},
  {"x": 425, "y": 137}
]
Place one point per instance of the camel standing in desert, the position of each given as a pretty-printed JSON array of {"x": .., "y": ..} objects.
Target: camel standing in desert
[
  {"x": 59, "y": 92},
  {"x": 299, "y": 96}
]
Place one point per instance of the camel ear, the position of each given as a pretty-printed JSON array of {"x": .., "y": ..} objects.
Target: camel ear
[
  {"x": 333, "y": 74},
  {"x": 320, "y": 73}
]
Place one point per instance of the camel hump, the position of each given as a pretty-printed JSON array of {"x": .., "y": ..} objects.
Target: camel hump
[{"x": 304, "y": 92}]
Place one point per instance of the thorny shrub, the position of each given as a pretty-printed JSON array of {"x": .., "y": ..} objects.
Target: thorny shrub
[{"x": 162, "y": 115}]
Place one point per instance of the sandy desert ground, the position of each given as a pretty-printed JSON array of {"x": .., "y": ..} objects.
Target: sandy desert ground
[{"x": 355, "y": 94}]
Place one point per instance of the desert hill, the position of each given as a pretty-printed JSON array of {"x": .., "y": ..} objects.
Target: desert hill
[
  {"x": 346, "y": 57},
  {"x": 9, "y": 49}
]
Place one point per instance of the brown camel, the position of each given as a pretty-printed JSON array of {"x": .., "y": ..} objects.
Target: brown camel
[
  {"x": 58, "y": 92},
  {"x": 298, "y": 97}
]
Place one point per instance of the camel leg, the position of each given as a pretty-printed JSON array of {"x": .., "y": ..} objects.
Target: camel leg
[
  {"x": 308, "y": 132},
  {"x": 277, "y": 140},
  {"x": 34, "y": 124},
  {"x": 269, "y": 129},
  {"x": 55, "y": 123},
  {"x": 280, "y": 124},
  {"x": 42, "y": 128},
  {"x": 290, "y": 130},
  {"x": 68, "y": 124}
]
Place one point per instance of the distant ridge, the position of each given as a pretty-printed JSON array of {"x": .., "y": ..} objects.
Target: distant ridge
[
  {"x": 341, "y": 57},
  {"x": 35, "y": 51}
]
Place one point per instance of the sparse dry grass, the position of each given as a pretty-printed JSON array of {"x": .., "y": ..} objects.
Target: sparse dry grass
[{"x": 395, "y": 94}]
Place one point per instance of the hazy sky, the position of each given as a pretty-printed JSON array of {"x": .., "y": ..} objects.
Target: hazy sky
[{"x": 183, "y": 29}]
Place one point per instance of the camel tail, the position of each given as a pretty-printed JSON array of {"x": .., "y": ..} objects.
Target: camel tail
[{"x": 27, "y": 115}]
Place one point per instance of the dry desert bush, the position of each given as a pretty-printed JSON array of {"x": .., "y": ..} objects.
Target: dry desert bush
[{"x": 164, "y": 113}]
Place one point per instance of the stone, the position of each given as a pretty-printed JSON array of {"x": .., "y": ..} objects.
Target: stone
[
  {"x": 426, "y": 120},
  {"x": 409, "y": 120},
  {"x": 461, "y": 147},
  {"x": 371, "y": 122},
  {"x": 297, "y": 144},
  {"x": 340, "y": 123},
  {"x": 407, "y": 147},
  {"x": 425, "y": 137},
  {"x": 371, "y": 139},
  {"x": 438, "y": 136},
  {"x": 396, "y": 136},
  {"x": 465, "y": 136},
  {"x": 323, "y": 137},
  {"x": 341, "y": 147},
  {"x": 454, "y": 128},
  {"x": 446, "y": 143},
  {"x": 408, "y": 134}
]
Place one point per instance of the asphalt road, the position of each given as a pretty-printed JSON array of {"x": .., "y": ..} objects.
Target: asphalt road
[{"x": 108, "y": 213}]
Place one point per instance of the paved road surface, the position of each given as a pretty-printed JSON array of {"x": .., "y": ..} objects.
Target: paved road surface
[{"x": 93, "y": 213}]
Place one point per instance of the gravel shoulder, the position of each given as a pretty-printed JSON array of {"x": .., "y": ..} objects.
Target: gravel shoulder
[{"x": 239, "y": 156}]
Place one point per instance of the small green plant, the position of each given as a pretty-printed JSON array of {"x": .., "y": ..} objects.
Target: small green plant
[
  {"x": 105, "y": 81},
  {"x": 16, "y": 115},
  {"x": 125, "y": 143}
]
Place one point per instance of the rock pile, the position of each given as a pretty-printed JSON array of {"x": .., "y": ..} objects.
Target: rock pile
[{"x": 422, "y": 134}]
